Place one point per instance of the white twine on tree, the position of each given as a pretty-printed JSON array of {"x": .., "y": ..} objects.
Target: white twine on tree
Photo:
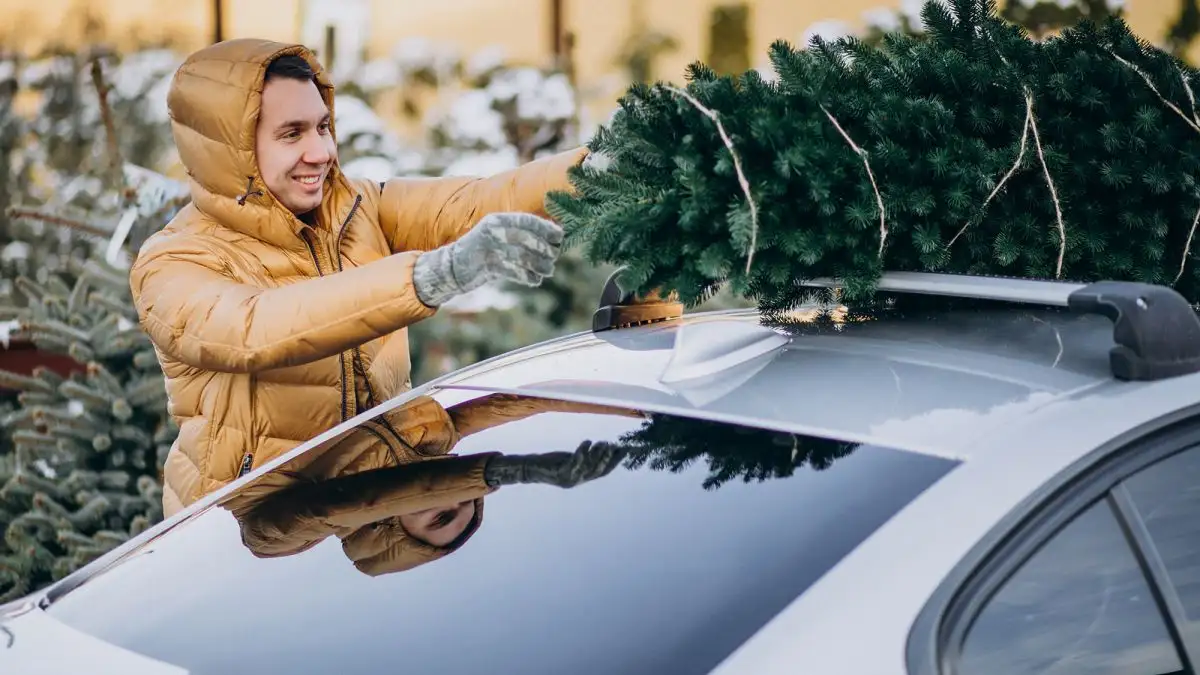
[
  {"x": 1012, "y": 170},
  {"x": 1037, "y": 142},
  {"x": 737, "y": 166},
  {"x": 883, "y": 231},
  {"x": 1191, "y": 96},
  {"x": 1193, "y": 122},
  {"x": 1149, "y": 83},
  {"x": 1187, "y": 248}
]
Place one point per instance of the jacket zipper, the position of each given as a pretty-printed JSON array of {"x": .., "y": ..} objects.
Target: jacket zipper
[
  {"x": 371, "y": 399},
  {"x": 247, "y": 464},
  {"x": 357, "y": 353},
  {"x": 312, "y": 249}
]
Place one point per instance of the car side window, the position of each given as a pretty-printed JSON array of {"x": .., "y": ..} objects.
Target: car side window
[
  {"x": 1167, "y": 497},
  {"x": 1080, "y": 606}
]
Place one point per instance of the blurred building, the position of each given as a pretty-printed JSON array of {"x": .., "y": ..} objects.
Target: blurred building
[{"x": 607, "y": 41}]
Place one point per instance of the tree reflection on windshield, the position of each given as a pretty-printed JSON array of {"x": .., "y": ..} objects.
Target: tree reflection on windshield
[{"x": 672, "y": 444}]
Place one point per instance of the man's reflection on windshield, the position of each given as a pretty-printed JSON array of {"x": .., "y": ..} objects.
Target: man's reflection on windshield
[
  {"x": 397, "y": 498},
  {"x": 395, "y": 495}
]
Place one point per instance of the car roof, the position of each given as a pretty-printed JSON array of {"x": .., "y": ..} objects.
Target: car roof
[{"x": 927, "y": 379}]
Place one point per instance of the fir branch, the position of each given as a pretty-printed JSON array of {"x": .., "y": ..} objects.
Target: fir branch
[
  {"x": 33, "y": 439},
  {"x": 11, "y": 380},
  {"x": 61, "y": 221},
  {"x": 737, "y": 166},
  {"x": 90, "y": 396},
  {"x": 30, "y": 399},
  {"x": 870, "y": 174},
  {"x": 1012, "y": 170},
  {"x": 58, "y": 329},
  {"x": 106, "y": 115}
]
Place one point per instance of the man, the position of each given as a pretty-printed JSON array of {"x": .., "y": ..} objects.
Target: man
[{"x": 278, "y": 299}]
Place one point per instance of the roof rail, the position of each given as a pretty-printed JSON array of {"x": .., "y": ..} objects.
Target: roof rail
[
  {"x": 621, "y": 309},
  {"x": 1009, "y": 289},
  {"x": 1156, "y": 330}
]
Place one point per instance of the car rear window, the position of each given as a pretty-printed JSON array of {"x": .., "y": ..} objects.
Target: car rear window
[{"x": 667, "y": 564}]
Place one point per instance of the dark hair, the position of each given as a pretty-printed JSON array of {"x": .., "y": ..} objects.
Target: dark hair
[{"x": 291, "y": 66}]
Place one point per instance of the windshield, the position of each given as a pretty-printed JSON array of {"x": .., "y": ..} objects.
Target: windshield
[{"x": 614, "y": 541}]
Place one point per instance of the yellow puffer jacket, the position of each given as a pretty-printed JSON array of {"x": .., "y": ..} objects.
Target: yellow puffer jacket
[{"x": 270, "y": 331}]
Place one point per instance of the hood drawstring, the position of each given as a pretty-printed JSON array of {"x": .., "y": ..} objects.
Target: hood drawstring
[{"x": 241, "y": 200}]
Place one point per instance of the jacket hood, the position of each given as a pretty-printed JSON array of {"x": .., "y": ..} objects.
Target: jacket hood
[
  {"x": 214, "y": 103},
  {"x": 385, "y": 547}
]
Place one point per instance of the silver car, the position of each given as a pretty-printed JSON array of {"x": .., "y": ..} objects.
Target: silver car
[{"x": 977, "y": 476}]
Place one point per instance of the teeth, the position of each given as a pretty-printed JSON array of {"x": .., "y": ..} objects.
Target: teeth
[{"x": 309, "y": 180}]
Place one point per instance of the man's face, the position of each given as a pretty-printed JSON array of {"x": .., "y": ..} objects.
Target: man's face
[
  {"x": 294, "y": 144},
  {"x": 439, "y": 526}
]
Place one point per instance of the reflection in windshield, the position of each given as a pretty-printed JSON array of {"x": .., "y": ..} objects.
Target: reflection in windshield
[
  {"x": 674, "y": 443},
  {"x": 580, "y": 566},
  {"x": 393, "y": 493}
]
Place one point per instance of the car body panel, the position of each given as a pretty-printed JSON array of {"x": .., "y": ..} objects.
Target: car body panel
[
  {"x": 923, "y": 544},
  {"x": 36, "y": 644},
  {"x": 931, "y": 386}
]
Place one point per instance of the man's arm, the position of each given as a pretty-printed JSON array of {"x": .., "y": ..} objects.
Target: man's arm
[
  {"x": 197, "y": 314},
  {"x": 424, "y": 213},
  {"x": 292, "y": 520}
]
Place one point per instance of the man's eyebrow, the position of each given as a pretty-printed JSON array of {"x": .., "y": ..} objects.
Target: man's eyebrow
[{"x": 300, "y": 124}]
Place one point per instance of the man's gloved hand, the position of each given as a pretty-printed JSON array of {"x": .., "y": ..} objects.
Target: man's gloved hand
[
  {"x": 563, "y": 469},
  {"x": 519, "y": 247}
]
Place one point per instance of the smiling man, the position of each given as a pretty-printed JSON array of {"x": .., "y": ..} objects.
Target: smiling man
[{"x": 278, "y": 299}]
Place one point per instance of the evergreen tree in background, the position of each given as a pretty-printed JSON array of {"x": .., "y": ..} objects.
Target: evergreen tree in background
[
  {"x": 974, "y": 149},
  {"x": 80, "y": 452},
  {"x": 1046, "y": 17},
  {"x": 86, "y": 450}
]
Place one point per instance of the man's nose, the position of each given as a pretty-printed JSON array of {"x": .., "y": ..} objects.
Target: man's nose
[{"x": 316, "y": 150}]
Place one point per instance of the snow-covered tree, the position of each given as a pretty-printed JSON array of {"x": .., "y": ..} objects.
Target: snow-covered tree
[
  {"x": 81, "y": 452},
  {"x": 1041, "y": 18}
]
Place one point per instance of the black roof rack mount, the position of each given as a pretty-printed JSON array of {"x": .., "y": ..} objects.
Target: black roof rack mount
[
  {"x": 1156, "y": 330},
  {"x": 621, "y": 309}
]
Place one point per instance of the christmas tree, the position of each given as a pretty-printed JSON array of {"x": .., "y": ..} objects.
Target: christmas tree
[
  {"x": 972, "y": 149},
  {"x": 82, "y": 473},
  {"x": 81, "y": 448}
]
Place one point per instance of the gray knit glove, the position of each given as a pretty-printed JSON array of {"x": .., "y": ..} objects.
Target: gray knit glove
[
  {"x": 562, "y": 469},
  {"x": 518, "y": 247}
]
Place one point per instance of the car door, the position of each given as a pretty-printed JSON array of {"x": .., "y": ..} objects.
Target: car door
[{"x": 1102, "y": 577}]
